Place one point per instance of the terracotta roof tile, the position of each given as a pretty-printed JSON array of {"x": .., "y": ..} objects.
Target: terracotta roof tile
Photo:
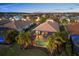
[
  {"x": 73, "y": 28},
  {"x": 16, "y": 24},
  {"x": 48, "y": 26}
]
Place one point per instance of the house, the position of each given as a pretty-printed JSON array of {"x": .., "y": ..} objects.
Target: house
[
  {"x": 13, "y": 24},
  {"x": 72, "y": 28},
  {"x": 48, "y": 26},
  {"x": 3, "y": 30},
  {"x": 18, "y": 25},
  {"x": 38, "y": 20},
  {"x": 44, "y": 15},
  {"x": 44, "y": 30},
  {"x": 77, "y": 19}
]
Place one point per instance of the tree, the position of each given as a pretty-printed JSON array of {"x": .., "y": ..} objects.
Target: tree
[
  {"x": 42, "y": 19},
  {"x": 55, "y": 18},
  {"x": 59, "y": 41},
  {"x": 73, "y": 21},
  {"x": 63, "y": 21},
  {"x": 55, "y": 41},
  {"x": 23, "y": 39},
  {"x": 51, "y": 45},
  {"x": 10, "y": 36}
]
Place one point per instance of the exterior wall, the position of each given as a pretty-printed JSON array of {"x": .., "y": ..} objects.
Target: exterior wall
[{"x": 42, "y": 34}]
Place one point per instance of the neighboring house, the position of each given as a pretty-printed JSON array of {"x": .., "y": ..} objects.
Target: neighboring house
[
  {"x": 42, "y": 32},
  {"x": 37, "y": 20},
  {"x": 13, "y": 24},
  {"x": 18, "y": 25},
  {"x": 77, "y": 18},
  {"x": 73, "y": 28},
  {"x": 3, "y": 30},
  {"x": 44, "y": 15},
  {"x": 3, "y": 34}
]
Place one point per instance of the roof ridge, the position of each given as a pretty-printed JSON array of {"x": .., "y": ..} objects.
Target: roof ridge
[{"x": 52, "y": 27}]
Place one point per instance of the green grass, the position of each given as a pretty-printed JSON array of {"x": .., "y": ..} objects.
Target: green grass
[
  {"x": 16, "y": 51},
  {"x": 67, "y": 50}
]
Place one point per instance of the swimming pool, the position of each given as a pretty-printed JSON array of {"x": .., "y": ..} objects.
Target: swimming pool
[{"x": 75, "y": 40}]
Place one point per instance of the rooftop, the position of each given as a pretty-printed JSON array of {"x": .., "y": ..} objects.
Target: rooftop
[
  {"x": 16, "y": 24},
  {"x": 73, "y": 28},
  {"x": 49, "y": 26}
]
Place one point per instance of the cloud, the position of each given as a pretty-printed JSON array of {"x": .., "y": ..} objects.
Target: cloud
[{"x": 18, "y": 7}]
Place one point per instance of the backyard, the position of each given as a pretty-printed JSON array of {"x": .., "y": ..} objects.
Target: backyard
[{"x": 15, "y": 50}]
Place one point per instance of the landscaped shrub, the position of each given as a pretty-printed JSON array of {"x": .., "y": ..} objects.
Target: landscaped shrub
[{"x": 10, "y": 38}]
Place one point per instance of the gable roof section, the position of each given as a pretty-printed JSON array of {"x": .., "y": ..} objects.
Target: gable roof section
[
  {"x": 10, "y": 25},
  {"x": 48, "y": 26},
  {"x": 4, "y": 22},
  {"x": 19, "y": 24}
]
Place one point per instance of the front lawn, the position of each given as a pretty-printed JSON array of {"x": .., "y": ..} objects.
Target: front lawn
[{"x": 16, "y": 51}]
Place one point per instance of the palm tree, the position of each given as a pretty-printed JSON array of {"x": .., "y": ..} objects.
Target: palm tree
[
  {"x": 59, "y": 41},
  {"x": 51, "y": 45},
  {"x": 56, "y": 40},
  {"x": 59, "y": 35},
  {"x": 64, "y": 36},
  {"x": 23, "y": 39}
]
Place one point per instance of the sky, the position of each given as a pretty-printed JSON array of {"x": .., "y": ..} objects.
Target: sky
[{"x": 39, "y": 7}]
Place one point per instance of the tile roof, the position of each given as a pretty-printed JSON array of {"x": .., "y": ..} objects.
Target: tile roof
[
  {"x": 73, "y": 28},
  {"x": 10, "y": 25},
  {"x": 4, "y": 22},
  {"x": 48, "y": 26},
  {"x": 21, "y": 23},
  {"x": 17, "y": 24}
]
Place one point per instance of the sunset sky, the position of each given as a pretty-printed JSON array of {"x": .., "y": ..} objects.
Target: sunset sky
[{"x": 39, "y": 7}]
